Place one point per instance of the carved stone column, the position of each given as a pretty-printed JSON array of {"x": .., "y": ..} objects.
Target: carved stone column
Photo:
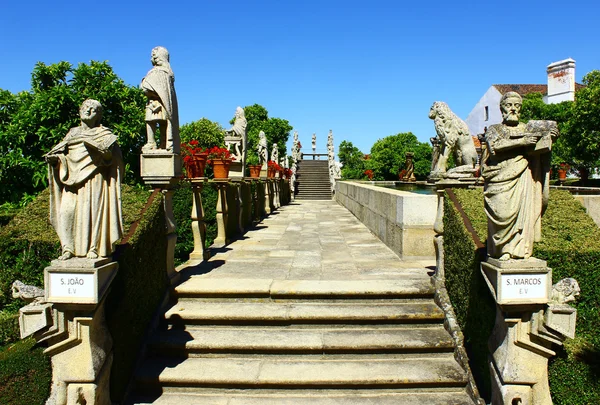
[
  {"x": 222, "y": 212},
  {"x": 238, "y": 199},
  {"x": 198, "y": 223},
  {"x": 268, "y": 195}
]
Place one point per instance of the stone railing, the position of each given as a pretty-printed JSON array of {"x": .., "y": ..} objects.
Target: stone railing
[{"x": 402, "y": 220}]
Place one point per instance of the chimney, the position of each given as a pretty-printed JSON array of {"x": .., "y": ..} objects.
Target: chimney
[{"x": 561, "y": 81}]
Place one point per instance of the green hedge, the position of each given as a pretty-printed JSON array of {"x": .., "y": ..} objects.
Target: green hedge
[
  {"x": 25, "y": 374},
  {"x": 571, "y": 246}
]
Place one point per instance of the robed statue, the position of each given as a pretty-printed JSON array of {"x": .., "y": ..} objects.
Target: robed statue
[
  {"x": 236, "y": 136},
  {"x": 161, "y": 109},
  {"x": 84, "y": 175},
  {"x": 515, "y": 169}
]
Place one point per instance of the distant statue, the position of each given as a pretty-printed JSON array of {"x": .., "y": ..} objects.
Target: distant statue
[
  {"x": 295, "y": 136},
  {"x": 236, "y": 135},
  {"x": 314, "y": 142},
  {"x": 515, "y": 170},
  {"x": 84, "y": 176},
  {"x": 263, "y": 154},
  {"x": 275, "y": 154},
  {"x": 453, "y": 137},
  {"x": 161, "y": 109},
  {"x": 408, "y": 174}
]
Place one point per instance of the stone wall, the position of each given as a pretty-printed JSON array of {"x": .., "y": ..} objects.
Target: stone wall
[
  {"x": 591, "y": 204},
  {"x": 401, "y": 219}
]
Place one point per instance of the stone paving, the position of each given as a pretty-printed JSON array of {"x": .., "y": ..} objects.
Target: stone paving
[{"x": 310, "y": 240}]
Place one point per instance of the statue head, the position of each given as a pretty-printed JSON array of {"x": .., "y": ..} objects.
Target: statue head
[
  {"x": 275, "y": 147},
  {"x": 90, "y": 112},
  {"x": 510, "y": 106},
  {"x": 439, "y": 108},
  {"x": 566, "y": 290},
  {"x": 160, "y": 56},
  {"x": 261, "y": 135},
  {"x": 239, "y": 113}
]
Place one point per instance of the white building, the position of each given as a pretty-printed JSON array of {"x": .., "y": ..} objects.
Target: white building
[{"x": 561, "y": 87}]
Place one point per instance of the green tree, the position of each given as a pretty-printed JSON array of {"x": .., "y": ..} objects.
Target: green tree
[
  {"x": 277, "y": 130},
  {"x": 578, "y": 122},
  {"x": 352, "y": 160},
  {"x": 208, "y": 133},
  {"x": 388, "y": 156},
  {"x": 31, "y": 122}
]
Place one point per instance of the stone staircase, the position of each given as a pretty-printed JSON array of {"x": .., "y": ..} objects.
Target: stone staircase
[
  {"x": 265, "y": 341},
  {"x": 313, "y": 180}
]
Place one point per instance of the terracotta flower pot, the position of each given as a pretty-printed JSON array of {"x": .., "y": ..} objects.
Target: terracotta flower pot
[
  {"x": 195, "y": 165},
  {"x": 562, "y": 174},
  {"x": 270, "y": 172},
  {"x": 254, "y": 171},
  {"x": 221, "y": 168}
]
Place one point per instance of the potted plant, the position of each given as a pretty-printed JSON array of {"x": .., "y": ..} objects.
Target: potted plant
[
  {"x": 194, "y": 158},
  {"x": 220, "y": 159},
  {"x": 562, "y": 172},
  {"x": 253, "y": 164},
  {"x": 272, "y": 167}
]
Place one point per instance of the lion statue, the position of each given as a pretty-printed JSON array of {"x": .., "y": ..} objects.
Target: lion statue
[{"x": 454, "y": 137}]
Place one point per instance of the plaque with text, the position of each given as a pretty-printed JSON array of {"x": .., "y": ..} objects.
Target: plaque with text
[
  {"x": 72, "y": 282},
  {"x": 518, "y": 282}
]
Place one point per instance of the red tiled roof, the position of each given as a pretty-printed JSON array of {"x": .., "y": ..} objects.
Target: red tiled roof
[{"x": 524, "y": 89}]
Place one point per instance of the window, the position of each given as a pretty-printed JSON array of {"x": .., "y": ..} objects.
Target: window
[{"x": 487, "y": 113}]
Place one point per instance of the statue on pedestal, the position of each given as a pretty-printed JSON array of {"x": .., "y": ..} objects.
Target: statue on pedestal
[
  {"x": 263, "y": 154},
  {"x": 84, "y": 175},
  {"x": 515, "y": 170},
  {"x": 314, "y": 142},
  {"x": 236, "y": 136},
  {"x": 275, "y": 154},
  {"x": 161, "y": 109},
  {"x": 453, "y": 136}
]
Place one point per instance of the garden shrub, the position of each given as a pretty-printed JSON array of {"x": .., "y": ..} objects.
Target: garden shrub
[{"x": 571, "y": 246}]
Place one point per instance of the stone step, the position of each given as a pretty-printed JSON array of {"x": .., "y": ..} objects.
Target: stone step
[
  {"x": 284, "y": 339},
  {"x": 298, "y": 371},
  {"x": 197, "y": 310},
  {"x": 301, "y": 397},
  {"x": 199, "y": 286}
]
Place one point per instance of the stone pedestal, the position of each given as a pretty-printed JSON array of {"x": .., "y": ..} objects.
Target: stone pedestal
[
  {"x": 268, "y": 195},
  {"x": 222, "y": 213},
  {"x": 198, "y": 224},
  {"x": 71, "y": 320},
  {"x": 160, "y": 169},
  {"x": 529, "y": 322}
]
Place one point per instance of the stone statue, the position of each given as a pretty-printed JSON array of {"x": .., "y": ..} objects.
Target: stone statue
[
  {"x": 454, "y": 137},
  {"x": 565, "y": 291},
  {"x": 28, "y": 293},
  {"x": 295, "y": 137},
  {"x": 84, "y": 176},
  {"x": 161, "y": 109},
  {"x": 275, "y": 153},
  {"x": 236, "y": 135},
  {"x": 515, "y": 170},
  {"x": 314, "y": 142},
  {"x": 408, "y": 174},
  {"x": 263, "y": 154}
]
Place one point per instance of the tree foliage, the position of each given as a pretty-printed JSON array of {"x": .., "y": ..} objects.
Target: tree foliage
[
  {"x": 208, "y": 133},
  {"x": 352, "y": 160},
  {"x": 578, "y": 121},
  {"x": 388, "y": 156},
  {"x": 31, "y": 122},
  {"x": 277, "y": 130}
]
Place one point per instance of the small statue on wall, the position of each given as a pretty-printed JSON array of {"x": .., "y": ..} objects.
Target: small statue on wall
[
  {"x": 84, "y": 177},
  {"x": 263, "y": 154},
  {"x": 408, "y": 174},
  {"x": 453, "y": 137},
  {"x": 161, "y": 110},
  {"x": 236, "y": 136},
  {"x": 275, "y": 153}
]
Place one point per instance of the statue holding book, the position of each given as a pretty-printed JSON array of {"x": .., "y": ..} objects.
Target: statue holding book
[{"x": 516, "y": 167}]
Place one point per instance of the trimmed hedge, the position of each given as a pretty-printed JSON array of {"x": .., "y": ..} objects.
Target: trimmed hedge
[
  {"x": 25, "y": 374},
  {"x": 571, "y": 246}
]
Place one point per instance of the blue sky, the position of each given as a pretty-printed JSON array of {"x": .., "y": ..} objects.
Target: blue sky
[{"x": 366, "y": 70}]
